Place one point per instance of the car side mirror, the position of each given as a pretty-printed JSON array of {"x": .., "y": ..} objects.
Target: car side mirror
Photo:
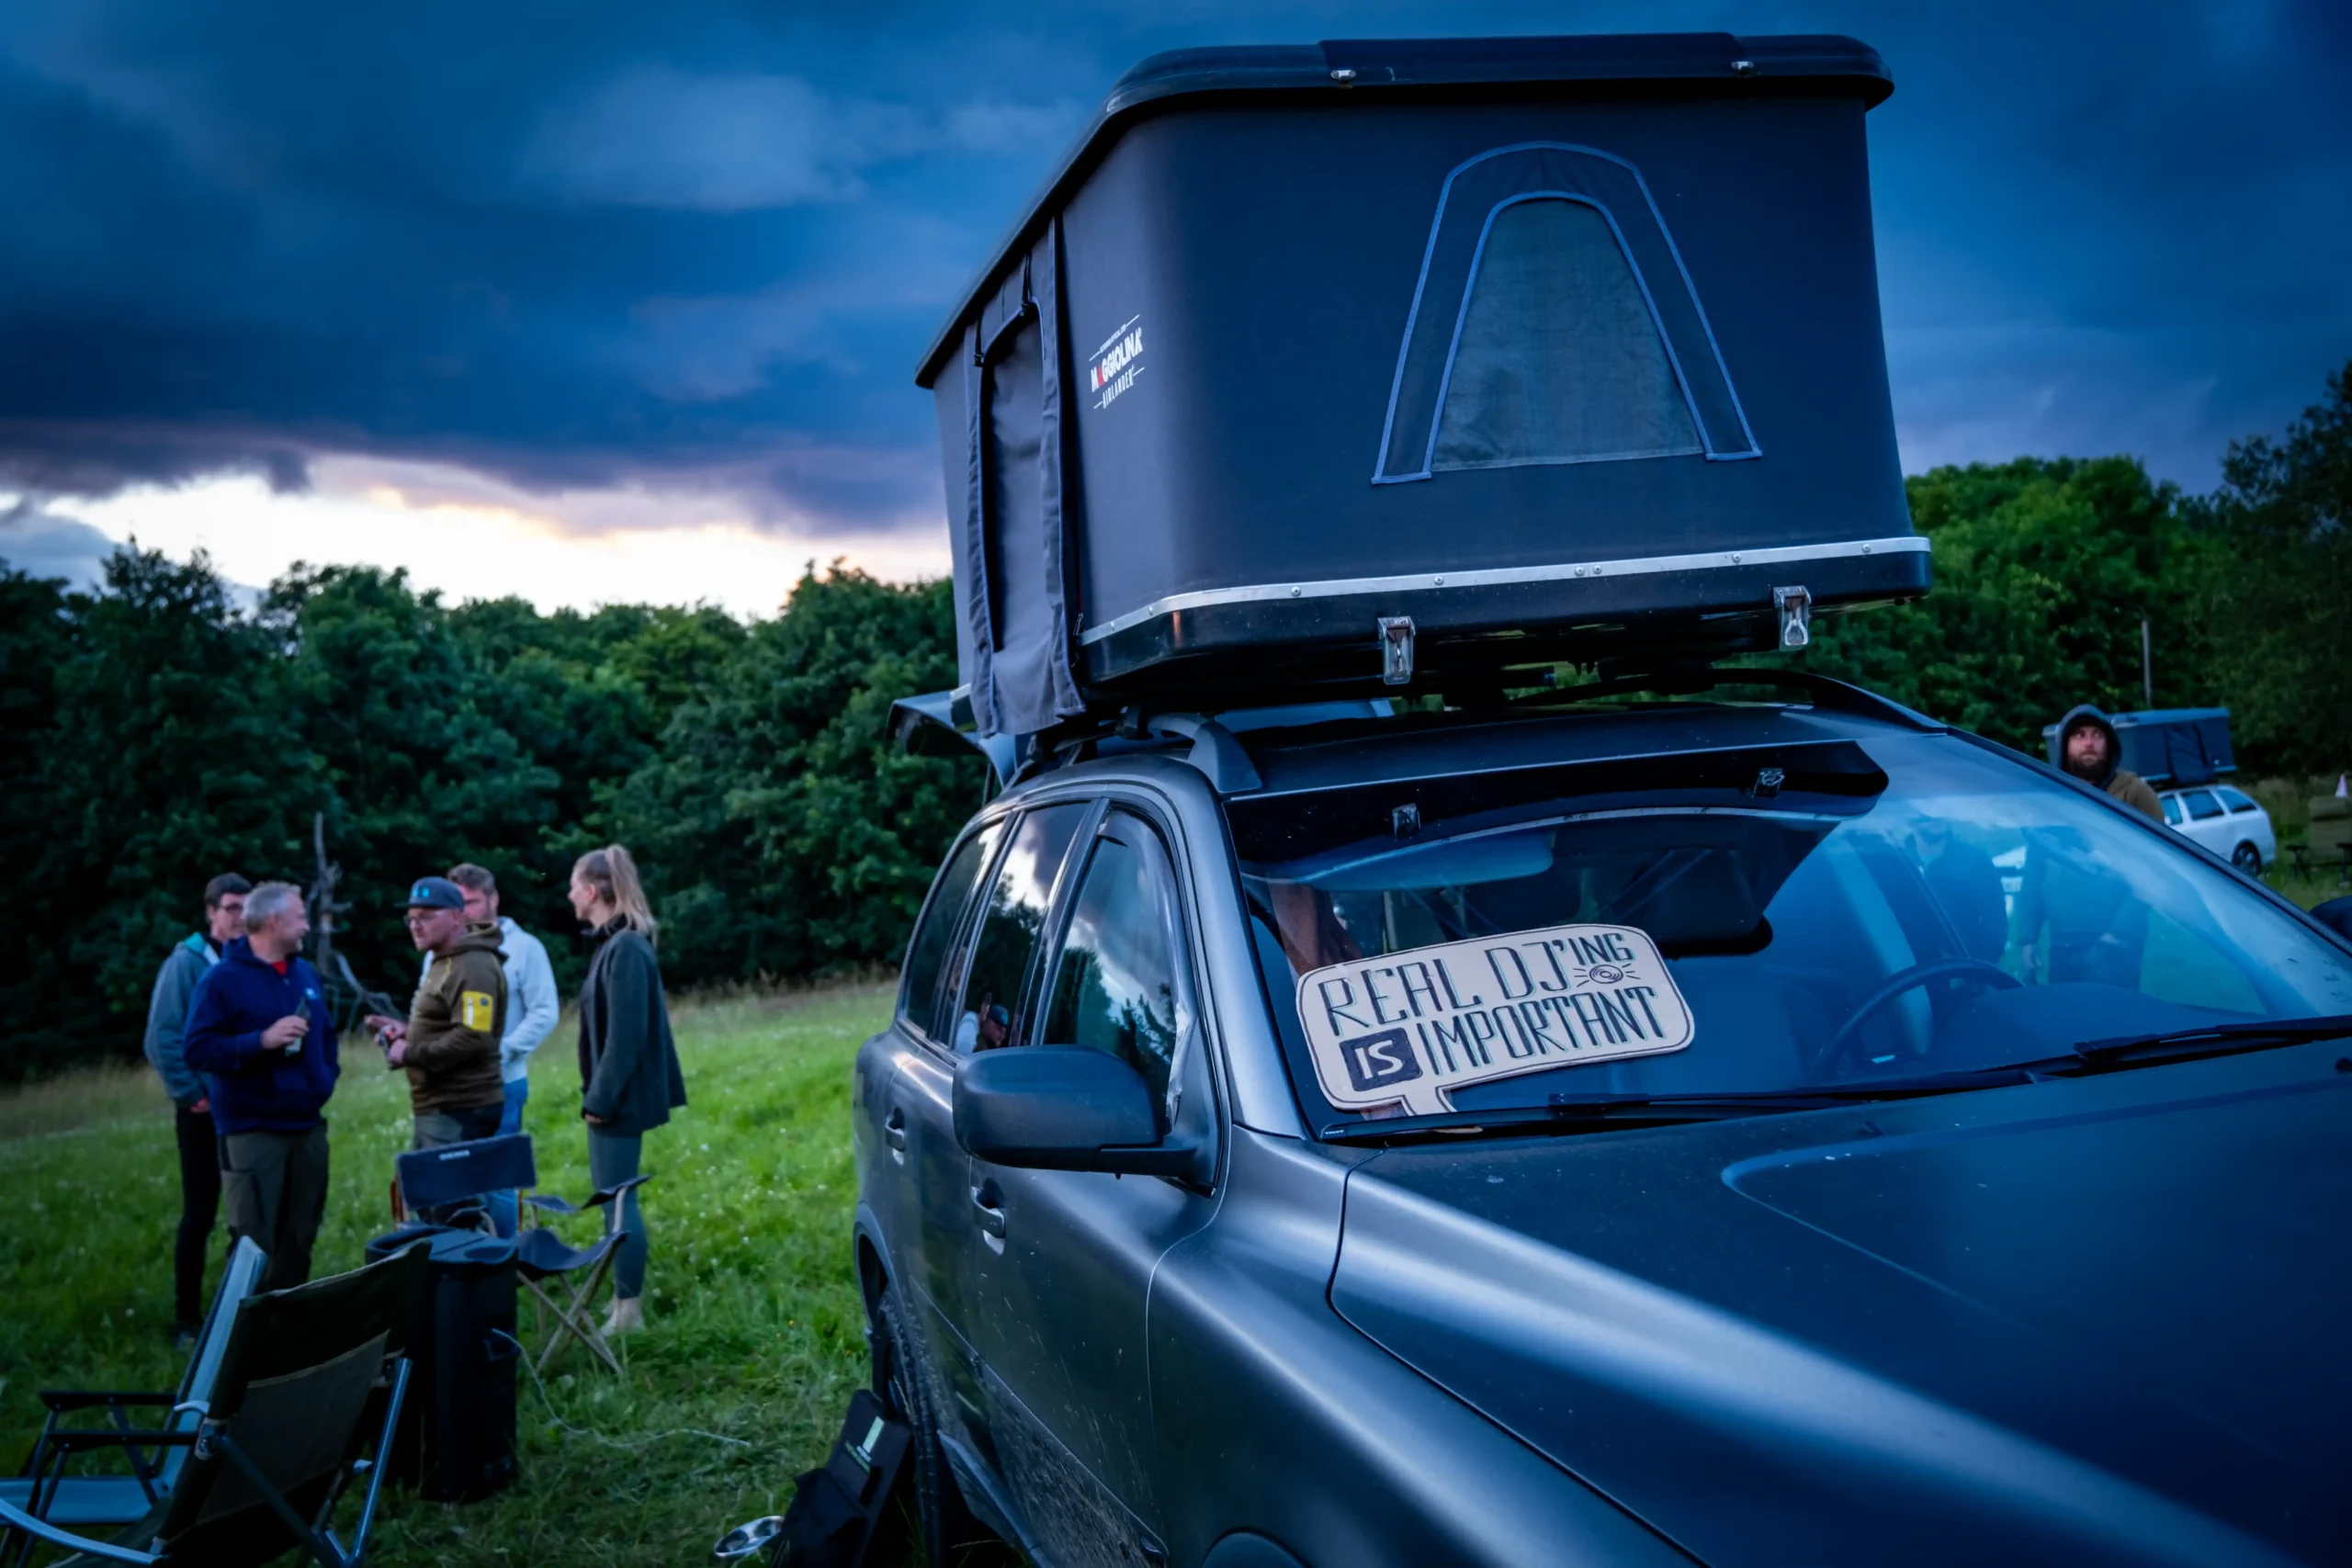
[{"x": 1064, "y": 1108}]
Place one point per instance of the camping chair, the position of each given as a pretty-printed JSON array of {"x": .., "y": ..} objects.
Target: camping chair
[
  {"x": 285, "y": 1429},
  {"x": 46, "y": 1492},
  {"x": 453, "y": 1177}
]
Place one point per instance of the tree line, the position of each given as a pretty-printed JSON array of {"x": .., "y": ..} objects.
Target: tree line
[{"x": 154, "y": 732}]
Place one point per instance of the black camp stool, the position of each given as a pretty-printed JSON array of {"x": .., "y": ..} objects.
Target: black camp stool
[{"x": 309, "y": 1390}]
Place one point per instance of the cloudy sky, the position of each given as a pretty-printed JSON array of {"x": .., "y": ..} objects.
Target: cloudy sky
[{"x": 597, "y": 303}]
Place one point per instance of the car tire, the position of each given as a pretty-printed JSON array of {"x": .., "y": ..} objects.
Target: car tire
[
  {"x": 941, "y": 1524},
  {"x": 2247, "y": 859}
]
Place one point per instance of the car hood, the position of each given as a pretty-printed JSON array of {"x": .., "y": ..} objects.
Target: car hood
[{"x": 2090, "y": 1321}]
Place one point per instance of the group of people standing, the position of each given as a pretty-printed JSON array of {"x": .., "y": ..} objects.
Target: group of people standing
[{"x": 240, "y": 1031}]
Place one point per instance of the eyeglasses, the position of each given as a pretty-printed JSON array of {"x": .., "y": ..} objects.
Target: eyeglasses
[{"x": 420, "y": 917}]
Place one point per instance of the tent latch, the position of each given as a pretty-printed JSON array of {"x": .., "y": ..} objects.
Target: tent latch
[
  {"x": 1397, "y": 649},
  {"x": 1795, "y": 605}
]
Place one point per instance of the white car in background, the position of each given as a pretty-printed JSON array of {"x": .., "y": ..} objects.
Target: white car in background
[{"x": 2227, "y": 820}]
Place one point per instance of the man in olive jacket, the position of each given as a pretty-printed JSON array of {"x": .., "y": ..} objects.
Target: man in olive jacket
[{"x": 449, "y": 1045}]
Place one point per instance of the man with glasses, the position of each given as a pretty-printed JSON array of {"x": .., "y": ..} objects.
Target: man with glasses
[
  {"x": 531, "y": 1009},
  {"x": 449, "y": 1043},
  {"x": 224, "y": 922}
]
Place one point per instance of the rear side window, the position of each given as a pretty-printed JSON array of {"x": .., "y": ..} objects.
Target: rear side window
[
  {"x": 936, "y": 934},
  {"x": 2236, "y": 800},
  {"x": 2202, "y": 806},
  {"x": 1114, "y": 985},
  {"x": 987, "y": 1011}
]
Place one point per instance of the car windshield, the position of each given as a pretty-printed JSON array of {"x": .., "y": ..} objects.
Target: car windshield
[{"x": 1737, "y": 922}]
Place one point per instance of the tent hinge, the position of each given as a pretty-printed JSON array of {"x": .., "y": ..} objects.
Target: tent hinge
[
  {"x": 1795, "y": 607},
  {"x": 1397, "y": 649}
]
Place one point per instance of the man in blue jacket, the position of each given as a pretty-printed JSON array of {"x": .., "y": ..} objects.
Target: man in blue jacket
[
  {"x": 259, "y": 1031},
  {"x": 200, "y": 1145}
]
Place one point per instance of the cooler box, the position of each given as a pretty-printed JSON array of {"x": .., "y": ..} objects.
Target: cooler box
[
  {"x": 456, "y": 1439},
  {"x": 1555, "y": 348}
]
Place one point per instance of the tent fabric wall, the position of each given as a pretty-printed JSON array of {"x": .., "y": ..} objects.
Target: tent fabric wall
[
  {"x": 1475, "y": 193},
  {"x": 1013, "y": 549},
  {"x": 1557, "y": 358}
]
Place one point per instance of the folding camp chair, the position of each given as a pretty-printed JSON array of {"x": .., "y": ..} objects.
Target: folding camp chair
[
  {"x": 289, "y": 1424},
  {"x": 453, "y": 1176},
  {"x": 46, "y": 1492},
  {"x": 447, "y": 1185},
  {"x": 541, "y": 1257}
]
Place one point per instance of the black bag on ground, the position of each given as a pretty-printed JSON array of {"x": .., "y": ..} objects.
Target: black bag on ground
[{"x": 835, "y": 1509}]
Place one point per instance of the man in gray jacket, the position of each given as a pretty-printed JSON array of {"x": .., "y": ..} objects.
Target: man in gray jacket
[{"x": 224, "y": 921}]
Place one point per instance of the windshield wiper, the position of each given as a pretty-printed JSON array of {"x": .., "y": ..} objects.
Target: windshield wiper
[
  {"x": 1593, "y": 1114},
  {"x": 1608, "y": 1112},
  {"x": 2188, "y": 1044}
]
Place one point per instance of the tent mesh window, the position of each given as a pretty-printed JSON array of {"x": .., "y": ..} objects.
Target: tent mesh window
[{"x": 1558, "y": 358}]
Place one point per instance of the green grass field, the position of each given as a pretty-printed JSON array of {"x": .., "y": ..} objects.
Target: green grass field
[{"x": 755, "y": 1331}]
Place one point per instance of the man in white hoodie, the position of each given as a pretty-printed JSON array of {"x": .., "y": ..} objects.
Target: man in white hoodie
[{"x": 531, "y": 1007}]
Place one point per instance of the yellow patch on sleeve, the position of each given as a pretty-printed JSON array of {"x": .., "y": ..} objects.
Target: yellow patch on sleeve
[{"x": 476, "y": 1011}]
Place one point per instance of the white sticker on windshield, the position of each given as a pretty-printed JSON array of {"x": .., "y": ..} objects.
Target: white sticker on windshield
[{"x": 1409, "y": 1028}]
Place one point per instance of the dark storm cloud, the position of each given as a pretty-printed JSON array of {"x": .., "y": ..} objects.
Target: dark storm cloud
[{"x": 575, "y": 245}]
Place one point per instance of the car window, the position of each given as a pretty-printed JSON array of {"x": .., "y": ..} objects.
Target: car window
[
  {"x": 2172, "y": 809},
  {"x": 1114, "y": 985},
  {"x": 987, "y": 1011},
  {"x": 942, "y": 916},
  {"x": 2202, "y": 806},
  {"x": 2237, "y": 800},
  {"x": 1827, "y": 914}
]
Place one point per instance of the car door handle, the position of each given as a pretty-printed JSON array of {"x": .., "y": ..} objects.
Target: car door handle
[
  {"x": 894, "y": 1131},
  {"x": 991, "y": 1204}
]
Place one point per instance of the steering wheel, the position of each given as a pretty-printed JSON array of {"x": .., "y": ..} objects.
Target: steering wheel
[{"x": 1902, "y": 980}]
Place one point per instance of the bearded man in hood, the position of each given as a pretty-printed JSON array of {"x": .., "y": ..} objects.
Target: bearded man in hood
[{"x": 2088, "y": 750}]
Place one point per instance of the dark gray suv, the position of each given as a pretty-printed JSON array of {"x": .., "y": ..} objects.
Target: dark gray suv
[{"x": 1276, "y": 1158}]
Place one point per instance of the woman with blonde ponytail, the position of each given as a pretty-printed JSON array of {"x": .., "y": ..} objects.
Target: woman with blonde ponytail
[{"x": 628, "y": 1064}]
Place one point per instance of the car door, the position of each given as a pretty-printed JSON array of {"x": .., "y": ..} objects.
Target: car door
[
  {"x": 880, "y": 1098},
  {"x": 1058, "y": 1295},
  {"x": 979, "y": 993}
]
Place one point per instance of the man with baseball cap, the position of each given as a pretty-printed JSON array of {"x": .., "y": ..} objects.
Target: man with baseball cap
[{"x": 448, "y": 1043}]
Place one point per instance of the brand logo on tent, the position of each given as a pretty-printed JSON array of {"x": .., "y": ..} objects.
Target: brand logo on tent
[{"x": 1116, "y": 364}]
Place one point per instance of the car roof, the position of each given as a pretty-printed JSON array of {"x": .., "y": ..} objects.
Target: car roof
[{"x": 1273, "y": 759}]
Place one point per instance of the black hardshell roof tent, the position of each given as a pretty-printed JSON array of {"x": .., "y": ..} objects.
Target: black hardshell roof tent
[{"x": 1313, "y": 365}]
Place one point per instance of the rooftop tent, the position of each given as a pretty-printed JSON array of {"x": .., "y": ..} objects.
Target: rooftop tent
[{"x": 1550, "y": 347}]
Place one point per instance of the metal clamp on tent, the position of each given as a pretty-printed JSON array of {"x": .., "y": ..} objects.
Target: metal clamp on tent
[
  {"x": 1397, "y": 650},
  {"x": 1795, "y": 606}
]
